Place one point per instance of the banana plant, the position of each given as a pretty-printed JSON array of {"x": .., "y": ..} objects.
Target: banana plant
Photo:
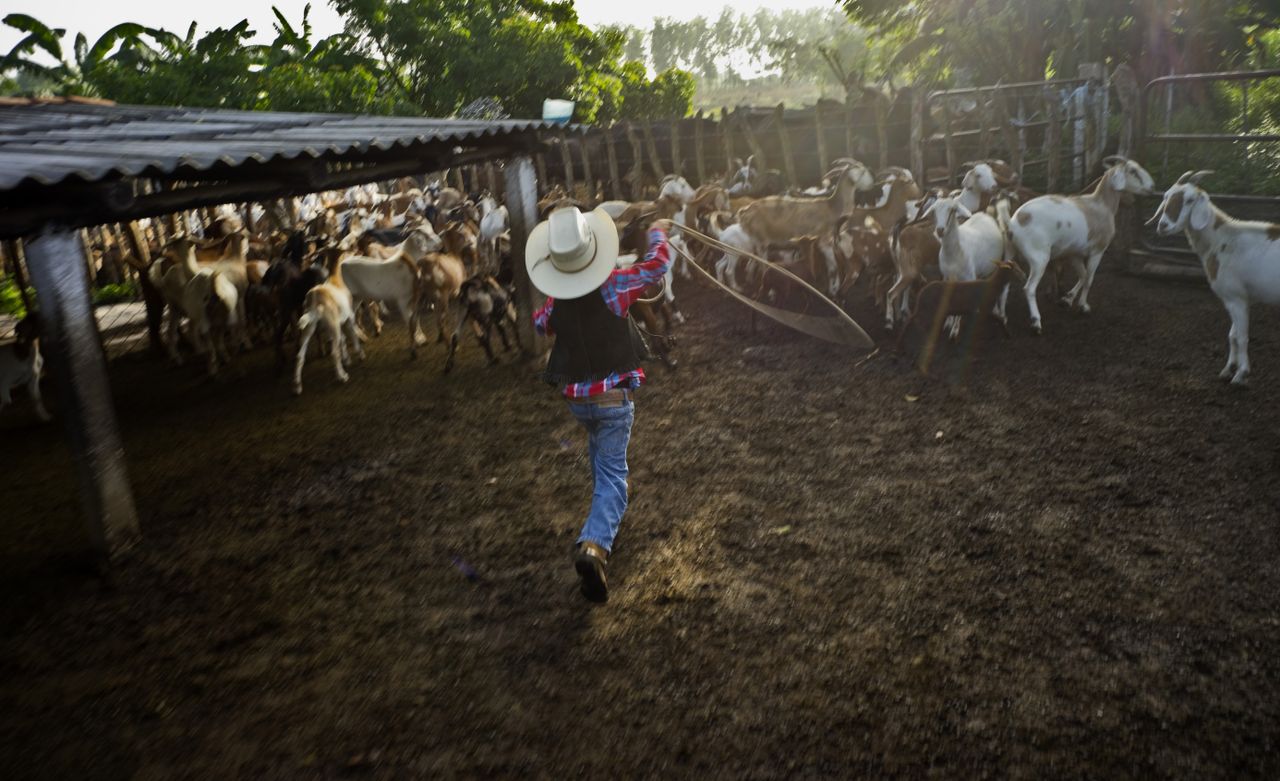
[{"x": 74, "y": 75}]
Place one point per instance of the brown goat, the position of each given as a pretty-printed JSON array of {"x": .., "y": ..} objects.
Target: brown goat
[{"x": 940, "y": 300}]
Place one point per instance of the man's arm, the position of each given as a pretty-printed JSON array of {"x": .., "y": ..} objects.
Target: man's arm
[
  {"x": 625, "y": 285},
  {"x": 542, "y": 317}
]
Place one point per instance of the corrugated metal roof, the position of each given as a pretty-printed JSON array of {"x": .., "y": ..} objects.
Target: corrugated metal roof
[{"x": 54, "y": 143}]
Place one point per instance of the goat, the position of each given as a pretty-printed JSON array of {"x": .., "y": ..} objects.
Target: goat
[
  {"x": 487, "y": 305},
  {"x": 1241, "y": 260},
  {"x": 859, "y": 248},
  {"x": 21, "y": 364},
  {"x": 393, "y": 281},
  {"x": 213, "y": 306},
  {"x": 329, "y": 305},
  {"x": 939, "y": 301},
  {"x": 972, "y": 248},
  {"x": 291, "y": 282},
  {"x": 169, "y": 275},
  {"x": 1075, "y": 227},
  {"x": 776, "y": 219},
  {"x": 442, "y": 276}
]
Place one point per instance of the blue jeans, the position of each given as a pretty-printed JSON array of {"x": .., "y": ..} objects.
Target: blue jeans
[{"x": 608, "y": 431}]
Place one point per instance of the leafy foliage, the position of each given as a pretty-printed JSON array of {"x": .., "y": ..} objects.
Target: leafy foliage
[
  {"x": 948, "y": 40},
  {"x": 397, "y": 56}
]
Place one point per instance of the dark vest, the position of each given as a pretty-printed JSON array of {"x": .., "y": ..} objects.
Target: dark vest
[{"x": 591, "y": 341}]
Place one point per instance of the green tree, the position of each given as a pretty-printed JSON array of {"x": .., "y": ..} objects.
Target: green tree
[
  {"x": 443, "y": 54},
  {"x": 1050, "y": 37}
]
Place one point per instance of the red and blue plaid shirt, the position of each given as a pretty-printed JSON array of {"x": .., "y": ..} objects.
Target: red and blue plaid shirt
[{"x": 620, "y": 291}]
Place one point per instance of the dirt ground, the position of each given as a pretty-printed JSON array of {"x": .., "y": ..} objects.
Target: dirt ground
[{"x": 1057, "y": 558}]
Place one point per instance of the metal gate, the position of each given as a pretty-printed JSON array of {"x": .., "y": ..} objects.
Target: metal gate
[
  {"x": 1226, "y": 122},
  {"x": 1052, "y": 132}
]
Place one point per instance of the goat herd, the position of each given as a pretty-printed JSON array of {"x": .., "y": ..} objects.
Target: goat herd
[{"x": 334, "y": 263}]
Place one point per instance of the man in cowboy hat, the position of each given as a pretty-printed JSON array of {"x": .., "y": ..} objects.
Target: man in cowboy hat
[{"x": 573, "y": 258}]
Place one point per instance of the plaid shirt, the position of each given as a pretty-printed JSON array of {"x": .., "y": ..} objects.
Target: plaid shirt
[{"x": 620, "y": 291}]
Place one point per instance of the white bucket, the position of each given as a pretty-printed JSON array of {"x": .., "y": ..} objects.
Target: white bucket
[{"x": 560, "y": 111}]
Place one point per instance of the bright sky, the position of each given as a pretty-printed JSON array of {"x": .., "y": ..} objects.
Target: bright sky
[{"x": 93, "y": 17}]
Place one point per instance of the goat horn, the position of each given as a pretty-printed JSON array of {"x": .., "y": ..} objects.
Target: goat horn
[
  {"x": 1198, "y": 176},
  {"x": 1114, "y": 160},
  {"x": 1186, "y": 177}
]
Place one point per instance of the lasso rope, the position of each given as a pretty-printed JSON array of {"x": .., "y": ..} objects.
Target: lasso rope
[{"x": 841, "y": 329}]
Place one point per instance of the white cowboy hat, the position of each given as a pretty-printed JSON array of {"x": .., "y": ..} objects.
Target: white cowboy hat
[{"x": 571, "y": 253}]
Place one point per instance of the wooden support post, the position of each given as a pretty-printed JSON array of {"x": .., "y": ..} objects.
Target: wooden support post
[
  {"x": 73, "y": 349},
  {"x": 918, "y": 157},
  {"x": 637, "y": 160},
  {"x": 726, "y": 133},
  {"x": 677, "y": 165},
  {"x": 823, "y": 160},
  {"x": 611, "y": 152},
  {"x": 655, "y": 162},
  {"x": 585, "y": 152},
  {"x": 697, "y": 148},
  {"x": 458, "y": 184},
  {"x": 522, "y": 209},
  {"x": 788, "y": 162},
  {"x": 567, "y": 159}
]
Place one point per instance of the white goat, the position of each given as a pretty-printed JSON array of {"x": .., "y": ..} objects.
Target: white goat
[
  {"x": 972, "y": 245},
  {"x": 978, "y": 181},
  {"x": 494, "y": 223},
  {"x": 1241, "y": 260},
  {"x": 394, "y": 281},
  {"x": 1077, "y": 227}
]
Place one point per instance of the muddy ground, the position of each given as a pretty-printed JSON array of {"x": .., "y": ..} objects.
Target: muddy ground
[{"x": 1058, "y": 558}]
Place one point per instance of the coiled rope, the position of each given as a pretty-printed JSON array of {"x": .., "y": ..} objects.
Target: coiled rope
[{"x": 841, "y": 329}]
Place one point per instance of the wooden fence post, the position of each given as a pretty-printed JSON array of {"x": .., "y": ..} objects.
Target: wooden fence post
[
  {"x": 612, "y": 153},
  {"x": 654, "y": 161},
  {"x": 637, "y": 161},
  {"x": 788, "y": 162},
  {"x": 882, "y": 108},
  {"x": 823, "y": 160},
  {"x": 726, "y": 135},
  {"x": 73, "y": 349},
  {"x": 568, "y": 164},
  {"x": 677, "y": 166},
  {"x": 522, "y": 208},
  {"x": 745, "y": 118},
  {"x": 585, "y": 153},
  {"x": 540, "y": 163},
  {"x": 697, "y": 148},
  {"x": 918, "y": 107}
]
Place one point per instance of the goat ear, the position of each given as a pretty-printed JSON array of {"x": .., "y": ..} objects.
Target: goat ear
[
  {"x": 1201, "y": 214},
  {"x": 1119, "y": 178}
]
